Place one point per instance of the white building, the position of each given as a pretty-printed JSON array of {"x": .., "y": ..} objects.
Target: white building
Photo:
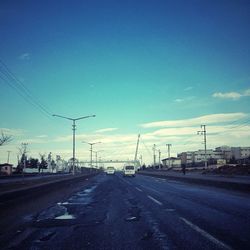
[
  {"x": 200, "y": 156},
  {"x": 226, "y": 152},
  {"x": 6, "y": 169},
  {"x": 240, "y": 152},
  {"x": 186, "y": 157},
  {"x": 172, "y": 162},
  {"x": 223, "y": 152}
]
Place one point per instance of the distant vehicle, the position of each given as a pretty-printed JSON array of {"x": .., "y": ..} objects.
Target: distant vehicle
[
  {"x": 110, "y": 170},
  {"x": 129, "y": 171}
]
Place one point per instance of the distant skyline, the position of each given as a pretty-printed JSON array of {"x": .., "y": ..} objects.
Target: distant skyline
[{"x": 159, "y": 68}]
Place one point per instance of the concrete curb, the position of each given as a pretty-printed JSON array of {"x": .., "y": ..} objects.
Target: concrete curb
[
  {"x": 8, "y": 196},
  {"x": 235, "y": 186}
]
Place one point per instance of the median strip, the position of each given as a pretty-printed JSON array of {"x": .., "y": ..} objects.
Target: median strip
[
  {"x": 236, "y": 184},
  {"x": 14, "y": 194}
]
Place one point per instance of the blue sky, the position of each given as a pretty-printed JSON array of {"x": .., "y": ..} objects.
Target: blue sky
[{"x": 130, "y": 63}]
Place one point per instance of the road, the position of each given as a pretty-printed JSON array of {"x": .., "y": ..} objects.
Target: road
[{"x": 113, "y": 212}]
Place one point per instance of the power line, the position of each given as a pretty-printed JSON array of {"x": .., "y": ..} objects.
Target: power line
[
  {"x": 9, "y": 78},
  {"x": 21, "y": 94},
  {"x": 146, "y": 147},
  {"x": 238, "y": 120},
  {"x": 244, "y": 124}
]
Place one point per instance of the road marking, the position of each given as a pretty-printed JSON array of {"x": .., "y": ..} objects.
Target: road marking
[
  {"x": 139, "y": 189},
  {"x": 205, "y": 234},
  {"x": 126, "y": 181},
  {"x": 159, "y": 179},
  {"x": 153, "y": 199},
  {"x": 152, "y": 190}
]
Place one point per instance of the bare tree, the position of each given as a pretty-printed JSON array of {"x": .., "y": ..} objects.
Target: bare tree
[
  {"x": 5, "y": 138},
  {"x": 43, "y": 163},
  {"x": 22, "y": 157}
]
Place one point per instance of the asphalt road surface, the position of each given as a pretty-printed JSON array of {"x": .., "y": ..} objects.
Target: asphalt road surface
[{"x": 142, "y": 212}]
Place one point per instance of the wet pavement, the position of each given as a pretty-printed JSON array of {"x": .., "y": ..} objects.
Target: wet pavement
[{"x": 113, "y": 212}]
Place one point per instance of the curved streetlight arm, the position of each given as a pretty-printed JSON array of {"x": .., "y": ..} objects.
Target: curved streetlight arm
[
  {"x": 84, "y": 117},
  {"x": 93, "y": 143},
  {"x": 76, "y": 119},
  {"x": 86, "y": 142},
  {"x": 63, "y": 117}
]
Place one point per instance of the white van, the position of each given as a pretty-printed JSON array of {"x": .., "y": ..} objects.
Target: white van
[
  {"x": 129, "y": 171},
  {"x": 110, "y": 170}
]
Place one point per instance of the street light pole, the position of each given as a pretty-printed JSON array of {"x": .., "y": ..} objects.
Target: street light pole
[
  {"x": 96, "y": 156},
  {"x": 169, "y": 145},
  {"x": 24, "y": 145},
  {"x": 74, "y": 131},
  {"x": 91, "y": 150},
  {"x": 154, "y": 156},
  {"x": 159, "y": 151},
  {"x": 8, "y": 159}
]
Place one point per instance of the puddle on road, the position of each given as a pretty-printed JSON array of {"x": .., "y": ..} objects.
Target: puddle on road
[
  {"x": 169, "y": 210},
  {"x": 66, "y": 211},
  {"x": 133, "y": 218},
  {"x": 63, "y": 203},
  {"x": 81, "y": 198},
  {"x": 89, "y": 190},
  {"x": 65, "y": 216},
  {"x": 46, "y": 236}
]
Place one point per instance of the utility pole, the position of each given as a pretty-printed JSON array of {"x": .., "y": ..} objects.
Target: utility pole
[
  {"x": 24, "y": 145},
  {"x": 141, "y": 159},
  {"x": 100, "y": 160},
  {"x": 8, "y": 159},
  {"x": 204, "y": 133},
  {"x": 154, "y": 148},
  {"x": 91, "y": 155},
  {"x": 136, "y": 150},
  {"x": 169, "y": 145},
  {"x": 159, "y": 151},
  {"x": 96, "y": 159},
  {"x": 24, "y": 153},
  {"x": 74, "y": 132}
]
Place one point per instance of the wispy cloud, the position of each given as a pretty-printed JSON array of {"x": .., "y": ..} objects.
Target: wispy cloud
[
  {"x": 231, "y": 95},
  {"x": 12, "y": 132},
  {"x": 179, "y": 100},
  {"x": 105, "y": 130},
  {"x": 182, "y": 134},
  {"x": 188, "y": 88},
  {"x": 42, "y": 136},
  {"x": 25, "y": 56},
  {"x": 186, "y": 99},
  {"x": 206, "y": 119}
]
